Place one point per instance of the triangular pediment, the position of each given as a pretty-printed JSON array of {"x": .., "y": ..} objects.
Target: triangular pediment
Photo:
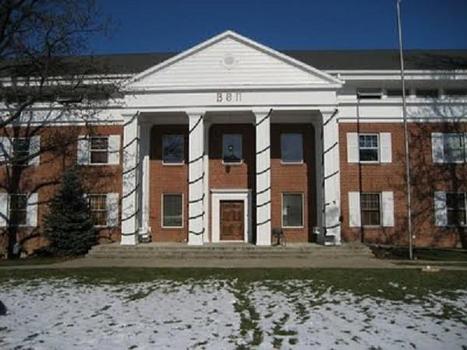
[{"x": 230, "y": 60}]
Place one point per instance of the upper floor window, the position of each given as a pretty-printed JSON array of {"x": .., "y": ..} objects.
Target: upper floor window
[
  {"x": 449, "y": 147},
  {"x": 20, "y": 151},
  {"x": 173, "y": 149},
  {"x": 369, "y": 93},
  {"x": 396, "y": 92},
  {"x": 456, "y": 209},
  {"x": 368, "y": 147},
  {"x": 291, "y": 148},
  {"x": 18, "y": 209},
  {"x": 232, "y": 148},
  {"x": 99, "y": 149},
  {"x": 455, "y": 92}
]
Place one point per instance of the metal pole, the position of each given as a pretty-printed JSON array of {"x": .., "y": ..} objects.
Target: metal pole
[{"x": 406, "y": 133}]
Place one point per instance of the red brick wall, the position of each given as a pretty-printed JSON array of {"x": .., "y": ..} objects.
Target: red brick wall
[
  {"x": 298, "y": 178},
  {"x": 426, "y": 179},
  {"x": 167, "y": 179},
  {"x": 96, "y": 179}
]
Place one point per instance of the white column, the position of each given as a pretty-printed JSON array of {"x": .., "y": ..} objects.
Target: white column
[
  {"x": 263, "y": 177},
  {"x": 130, "y": 181},
  {"x": 145, "y": 135},
  {"x": 331, "y": 177},
  {"x": 196, "y": 196},
  {"x": 206, "y": 181}
]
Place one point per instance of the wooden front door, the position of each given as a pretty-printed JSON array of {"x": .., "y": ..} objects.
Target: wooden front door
[{"x": 232, "y": 225}]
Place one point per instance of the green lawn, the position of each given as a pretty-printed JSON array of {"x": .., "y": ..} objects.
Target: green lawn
[
  {"x": 33, "y": 261},
  {"x": 372, "y": 282},
  {"x": 432, "y": 254}
]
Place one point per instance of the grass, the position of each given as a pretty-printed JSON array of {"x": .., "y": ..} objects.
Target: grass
[
  {"x": 432, "y": 254},
  {"x": 372, "y": 282}
]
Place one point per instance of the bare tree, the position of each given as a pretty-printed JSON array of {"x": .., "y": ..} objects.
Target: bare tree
[{"x": 45, "y": 80}]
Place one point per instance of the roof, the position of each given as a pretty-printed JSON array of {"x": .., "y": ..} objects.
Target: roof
[{"x": 325, "y": 60}]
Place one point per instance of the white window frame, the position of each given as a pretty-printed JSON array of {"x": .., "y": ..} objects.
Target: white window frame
[
  {"x": 303, "y": 150},
  {"x": 9, "y": 209},
  {"x": 241, "y": 143},
  {"x": 183, "y": 148},
  {"x": 378, "y": 148},
  {"x": 89, "y": 195},
  {"x": 162, "y": 210},
  {"x": 282, "y": 210},
  {"x": 447, "y": 209},
  {"x": 380, "y": 201},
  {"x": 90, "y": 149}
]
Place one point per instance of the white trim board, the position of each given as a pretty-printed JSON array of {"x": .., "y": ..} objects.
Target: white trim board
[{"x": 218, "y": 195}]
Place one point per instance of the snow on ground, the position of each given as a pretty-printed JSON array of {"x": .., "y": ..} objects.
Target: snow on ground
[{"x": 214, "y": 314}]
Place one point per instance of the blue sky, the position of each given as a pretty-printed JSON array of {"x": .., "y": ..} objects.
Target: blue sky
[{"x": 174, "y": 25}]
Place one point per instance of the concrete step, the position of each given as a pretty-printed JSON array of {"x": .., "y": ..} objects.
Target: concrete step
[{"x": 225, "y": 252}]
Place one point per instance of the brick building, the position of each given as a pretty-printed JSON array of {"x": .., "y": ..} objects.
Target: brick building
[{"x": 230, "y": 139}]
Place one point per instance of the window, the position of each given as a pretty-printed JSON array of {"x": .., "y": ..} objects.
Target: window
[
  {"x": 454, "y": 148},
  {"x": 292, "y": 148},
  {"x": 426, "y": 93},
  {"x": 18, "y": 209},
  {"x": 370, "y": 206},
  {"x": 232, "y": 148},
  {"x": 368, "y": 147},
  {"x": 173, "y": 149},
  {"x": 456, "y": 209},
  {"x": 99, "y": 149},
  {"x": 98, "y": 205},
  {"x": 20, "y": 151},
  {"x": 396, "y": 92},
  {"x": 172, "y": 209},
  {"x": 292, "y": 210},
  {"x": 370, "y": 93},
  {"x": 456, "y": 92}
]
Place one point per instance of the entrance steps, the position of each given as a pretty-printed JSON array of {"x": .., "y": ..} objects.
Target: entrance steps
[{"x": 226, "y": 251}]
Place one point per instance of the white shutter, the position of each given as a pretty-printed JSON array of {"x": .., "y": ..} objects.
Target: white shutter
[
  {"x": 35, "y": 147},
  {"x": 385, "y": 147},
  {"x": 112, "y": 209},
  {"x": 114, "y": 149},
  {"x": 465, "y": 146},
  {"x": 387, "y": 201},
  {"x": 437, "y": 147},
  {"x": 83, "y": 150},
  {"x": 3, "y": 209},
  {"x": 31, "y": 215},
  {"x": 352, "y": 147},
  {"x": 354, "y": 209},
  {"x": 441, "y": 212},
  {"x": 5, "y": 149}
]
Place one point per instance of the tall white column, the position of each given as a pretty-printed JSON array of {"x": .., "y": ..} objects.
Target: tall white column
[
  {"x": 206, "y": 181},
  {"x": 196, "y": 214},
  {"x": 263, "y": 177},
  {"x": 331, "y": 177},
  {"x": 130, "y": 181},
  {"x": 145, "y": 135}
]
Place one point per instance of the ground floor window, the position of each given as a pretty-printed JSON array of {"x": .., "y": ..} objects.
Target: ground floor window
[
  {"x": 370, "y": 204},
  {"x": 292, "y": 210},
  {"x": 98, "y": 205},
  {"x": 172, "y": 209},
  {"x": 18, "y": 209},
  {"x": 456, "y": 209}
]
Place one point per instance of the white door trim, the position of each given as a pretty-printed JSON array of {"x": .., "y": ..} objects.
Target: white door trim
[{"x": 218, "y": 195}]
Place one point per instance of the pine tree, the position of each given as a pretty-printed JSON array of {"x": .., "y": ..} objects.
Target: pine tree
[{"x": 69, "y": 226}]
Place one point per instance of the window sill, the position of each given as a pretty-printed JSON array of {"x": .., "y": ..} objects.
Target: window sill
[
  {"x": 172, "y": 227},
  {"x": 173, "y": 164},
  {"x": 292, "y": 227},
  {"x": 292, "y": 163},
  {"x": 232, "y": 163}
]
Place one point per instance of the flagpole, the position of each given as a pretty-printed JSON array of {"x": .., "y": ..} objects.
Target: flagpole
[{"x": 406, "y": 133}]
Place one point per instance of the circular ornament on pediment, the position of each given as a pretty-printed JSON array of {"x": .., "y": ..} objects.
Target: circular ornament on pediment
[{"x": 229, "y": 61}]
